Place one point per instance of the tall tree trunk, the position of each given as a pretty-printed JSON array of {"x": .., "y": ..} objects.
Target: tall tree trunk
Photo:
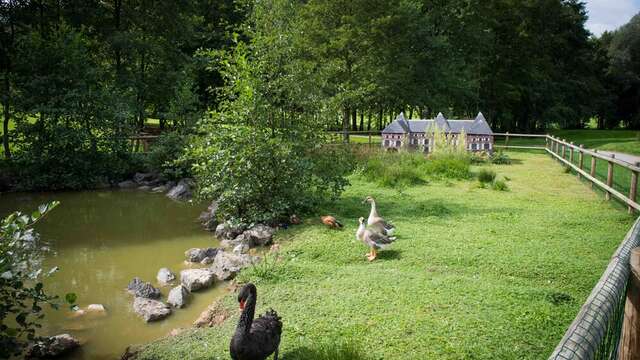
[
  {"x": 361, "y": 120},
  {"x": 41, "y": 7},
  {"x": 345, "y": 125},
  {"x": 7, "y": 116},
  {"x": 354, "y": 120},
  {"x": 380, "y": 119},
  {"x": 140, "y": 97},
  {"x": 116, "y": 14},
  {"x": 369, "y": 122}
]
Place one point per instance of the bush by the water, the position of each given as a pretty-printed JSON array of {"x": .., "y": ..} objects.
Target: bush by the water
[
  {"x": 259, "y": 169},
  {"x": 166, "y": 153},
  {"x": 21, "y": 294},
  {"x": 413, "y": 168}
]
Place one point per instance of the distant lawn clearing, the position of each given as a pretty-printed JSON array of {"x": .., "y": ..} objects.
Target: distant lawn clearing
[{"x": 475, "y": 273}]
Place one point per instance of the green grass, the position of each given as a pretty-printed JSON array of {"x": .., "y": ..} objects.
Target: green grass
[
  {"x": 626, "y": 141},
  {"x": 475, "y": 273},
  {"x": 401, "y": 169}
]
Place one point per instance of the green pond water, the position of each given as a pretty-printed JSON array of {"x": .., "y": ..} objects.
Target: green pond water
[{"x": 101, "y": 240}]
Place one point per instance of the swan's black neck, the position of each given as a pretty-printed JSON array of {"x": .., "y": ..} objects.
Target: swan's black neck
[{"x": 246, "y": 318}]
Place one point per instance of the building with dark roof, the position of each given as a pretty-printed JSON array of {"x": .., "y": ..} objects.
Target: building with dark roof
[{"x": 419, "y": 134}]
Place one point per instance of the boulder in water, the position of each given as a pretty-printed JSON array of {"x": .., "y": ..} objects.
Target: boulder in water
[
  {"x": 227, "y": 265},
  {"x": 151, "y": 310},
  {"x": 182, "y": 191},
  {"x": 128, "y": 184},
  {"x": 178, "y": 296},
  {"x": 196, "y": 279},
  {"x": 197, "y": 255},
  {"x": 165, "y": 276},
  {"x": 53, "y": 346},
  {"x": 143, "y": 289},
  {"x": 97, "y": 308}
]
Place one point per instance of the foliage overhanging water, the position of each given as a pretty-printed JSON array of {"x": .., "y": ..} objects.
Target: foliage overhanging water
[{"x": 100, "y": 241}]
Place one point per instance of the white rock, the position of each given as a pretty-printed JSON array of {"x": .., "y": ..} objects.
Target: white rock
[
  {"x": 96, "y": 308},
  {"x": 178, "y": 296},
  {"x": 196, "y": 279},
  {"x": 165, "y": 276},
  {"x": 151, "y": 310}
]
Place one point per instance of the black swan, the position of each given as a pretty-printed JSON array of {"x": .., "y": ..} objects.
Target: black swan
[{"x": 255, "y": 339}]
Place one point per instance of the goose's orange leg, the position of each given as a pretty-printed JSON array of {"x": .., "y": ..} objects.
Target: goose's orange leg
[{"x": 372, "y": 255}]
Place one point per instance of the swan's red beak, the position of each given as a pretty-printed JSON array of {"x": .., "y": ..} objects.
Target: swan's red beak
[{"x": 241, "y": 304}]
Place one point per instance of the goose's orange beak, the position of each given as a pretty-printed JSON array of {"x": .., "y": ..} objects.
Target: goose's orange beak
[{"x": 241, "y": 304}]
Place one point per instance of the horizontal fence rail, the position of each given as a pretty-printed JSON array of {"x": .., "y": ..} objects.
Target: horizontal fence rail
[{"x": 595, "y": 332}]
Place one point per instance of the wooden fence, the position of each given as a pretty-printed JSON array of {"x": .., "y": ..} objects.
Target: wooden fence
[{"x": 573, "y": 156}]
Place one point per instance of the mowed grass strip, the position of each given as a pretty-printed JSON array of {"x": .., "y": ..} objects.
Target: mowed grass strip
[{"x": 475, "y": 273}]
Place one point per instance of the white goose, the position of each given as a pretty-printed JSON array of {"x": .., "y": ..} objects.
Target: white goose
[
  {"x": 376, "y": 221},
  {"x": 372, "y": 239}
]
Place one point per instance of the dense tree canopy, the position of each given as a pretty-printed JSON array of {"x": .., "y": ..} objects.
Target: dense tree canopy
[{"x": 79, "y": 77}]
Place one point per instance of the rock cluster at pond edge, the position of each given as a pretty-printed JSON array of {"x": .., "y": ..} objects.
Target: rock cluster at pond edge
[
  {"x": 156, "y": 183},
  {"x": 239, "y": 238}
]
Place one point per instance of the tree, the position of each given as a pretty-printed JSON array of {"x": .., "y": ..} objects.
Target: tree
[
  {"x": 20, "y": 267},
  {"x": 261, "y": 155},
  {"x": 622, "y": 51}
]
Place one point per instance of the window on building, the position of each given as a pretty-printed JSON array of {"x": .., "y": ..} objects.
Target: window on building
[{"x": 487, "y": 146}]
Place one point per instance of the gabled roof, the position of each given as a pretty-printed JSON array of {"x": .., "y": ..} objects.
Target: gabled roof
[
  {"x": 442, "y": 123},
  {"x": 480, "y": 125},
  {"x": 477, "y": 126}
]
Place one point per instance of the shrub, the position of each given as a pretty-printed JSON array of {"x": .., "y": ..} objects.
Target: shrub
[
  {"x": 479, "y": 157},
  {"x": 392, "y": 169},
  {"x": 449, "y": 165},
  {"x": 486, "y": 175},
  {"x": 21, "y": 295},
  {"x": 264, "y": 156},
  {"x": 499, "y": 185},
  {"x": 395, "y": 169},
  {"x": 166, "y": 153},
  {"x": 66, "y": 158},
  {"x": 500, "y": 158}
]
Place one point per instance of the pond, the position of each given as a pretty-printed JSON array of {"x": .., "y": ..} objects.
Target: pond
[{"x": 100, "y": 241}]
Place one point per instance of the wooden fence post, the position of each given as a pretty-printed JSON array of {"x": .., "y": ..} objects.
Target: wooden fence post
[
  {"x": 564, "y": 150},
  {"x": 634, "y": 187},
  {"x": 630, "y": 337},
  {"x": 571, "y": 153},
  {"x": 580, "y": 159},
  {"x": 607, "y": 195},
  {"x": 592, "y": 171},
  {"x": 370, "y": 144},
  {"x": 506, "y": 142}
]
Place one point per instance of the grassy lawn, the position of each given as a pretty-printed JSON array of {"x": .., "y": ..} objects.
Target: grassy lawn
[
  {"x": 626, "y": 141},
  {"x": 475, "y": 273}
]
